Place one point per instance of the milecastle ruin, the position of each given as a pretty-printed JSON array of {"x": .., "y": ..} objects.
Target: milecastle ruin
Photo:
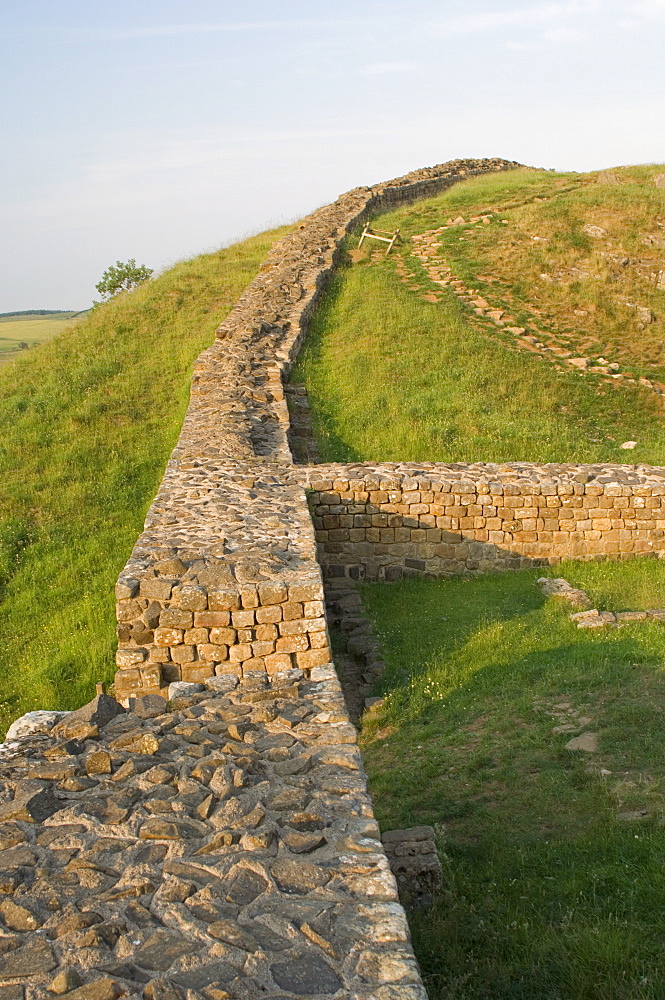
[
  {"x": 226, "y": 577},
  {"x": 225, "y": 845}
]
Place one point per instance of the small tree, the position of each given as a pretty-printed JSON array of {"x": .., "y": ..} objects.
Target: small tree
[{"x": 122, "y": 277}]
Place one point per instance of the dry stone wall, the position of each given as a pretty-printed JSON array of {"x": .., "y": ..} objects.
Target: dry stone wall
[
  {"x": 223, "y": 587},
  {"x": 224, "y": 845},
  {"x": 384, "y": 522},
  {"x": 224, "y": 579}
]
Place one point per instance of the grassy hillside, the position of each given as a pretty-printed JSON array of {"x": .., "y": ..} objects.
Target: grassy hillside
[
  {"x": 20, "y": 333},
  {"x": 86, "y": 426},
  {"x": 553, "y": 874},
  {"x": 398, "y": 366}
]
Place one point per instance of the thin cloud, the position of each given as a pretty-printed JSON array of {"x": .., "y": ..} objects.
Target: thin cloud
[
  {"x": 387, "y": 68},
  {"x": 640, "y": 13},
  {"x": 646, "y": 8},
  {"x": 518, "y": 17},
  {"x": 563, "y": 36},
  {"x": 223, "y": 27},
  {"x": 158, "y": 166}
]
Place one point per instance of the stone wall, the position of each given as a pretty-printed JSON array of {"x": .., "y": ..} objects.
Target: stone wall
[
  {"x": 224, "y": 587},
  {"x": 224, "y": 579},
  {"x": 222, "y": 847},
  {"x": 383, "y": 522}
]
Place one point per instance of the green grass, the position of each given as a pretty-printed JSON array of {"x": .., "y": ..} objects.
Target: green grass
[
  {"x": 392, "y": 377},
  {"x": 86, "y": 426},
  {"x": 549, "y": 894},
  {"x": 18, "y": 333},
  {"x": 533, "y": 278}
]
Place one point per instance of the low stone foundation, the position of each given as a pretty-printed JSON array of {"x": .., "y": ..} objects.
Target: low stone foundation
[
  {"x": 414, "y": 862},
  {"x": 225, "y": 578},
  {"x": 388, "y": 521}
]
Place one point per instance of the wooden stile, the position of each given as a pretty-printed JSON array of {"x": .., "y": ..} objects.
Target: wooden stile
[{"x": 379, "y": 234}]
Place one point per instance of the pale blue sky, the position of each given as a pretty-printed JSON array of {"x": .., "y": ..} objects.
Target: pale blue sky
[{"x": 157, "y": 129}]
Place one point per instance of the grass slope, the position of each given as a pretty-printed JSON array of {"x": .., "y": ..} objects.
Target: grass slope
[
  {"x": 568, "y": 256},
  {"x": 393, "y": 377},
  {"x": 87, "y": 422},
  {"x": 552, "y": 891}
]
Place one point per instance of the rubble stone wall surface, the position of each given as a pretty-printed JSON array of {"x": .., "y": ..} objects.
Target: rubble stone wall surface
[
  {"x": 220, "y": 847},
  {"x": 384, "y": 522}
]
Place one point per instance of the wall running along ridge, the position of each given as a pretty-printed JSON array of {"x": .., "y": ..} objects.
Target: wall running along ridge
[
  {"x": 224, "y": 845},
  {"x": 226, "y": 581}
]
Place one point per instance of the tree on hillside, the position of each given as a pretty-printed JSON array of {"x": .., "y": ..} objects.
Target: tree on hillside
[{"x": 121, "y": 277}]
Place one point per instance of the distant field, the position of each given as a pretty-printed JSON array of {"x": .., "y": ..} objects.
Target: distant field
[
  {"x": 31, "y": 329},
  {"x": 397, "y": 367}
]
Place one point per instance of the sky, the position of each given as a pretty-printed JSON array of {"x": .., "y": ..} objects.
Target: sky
[{"x": 159, "y": 129}]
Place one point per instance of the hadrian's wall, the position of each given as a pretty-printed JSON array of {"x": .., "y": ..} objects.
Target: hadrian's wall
[
  {"x": 273, "y": 827},
  {"x": 224, "y": 847},
  {"x": 224, "y": 580},
  {"x": 387, "y": 521}
]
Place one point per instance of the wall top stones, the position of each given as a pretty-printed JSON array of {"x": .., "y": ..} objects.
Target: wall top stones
[
  {"x": 223, "y": 846},
  {"x": 472, "y": 477}
]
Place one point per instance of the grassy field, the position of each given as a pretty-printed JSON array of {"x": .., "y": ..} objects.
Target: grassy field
[
  {"x": 553, "y": 859},
  {"x": 393, "y": 377},
  {"x": 20, "y": 333},
  {"x": 86, "y": 426}
]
